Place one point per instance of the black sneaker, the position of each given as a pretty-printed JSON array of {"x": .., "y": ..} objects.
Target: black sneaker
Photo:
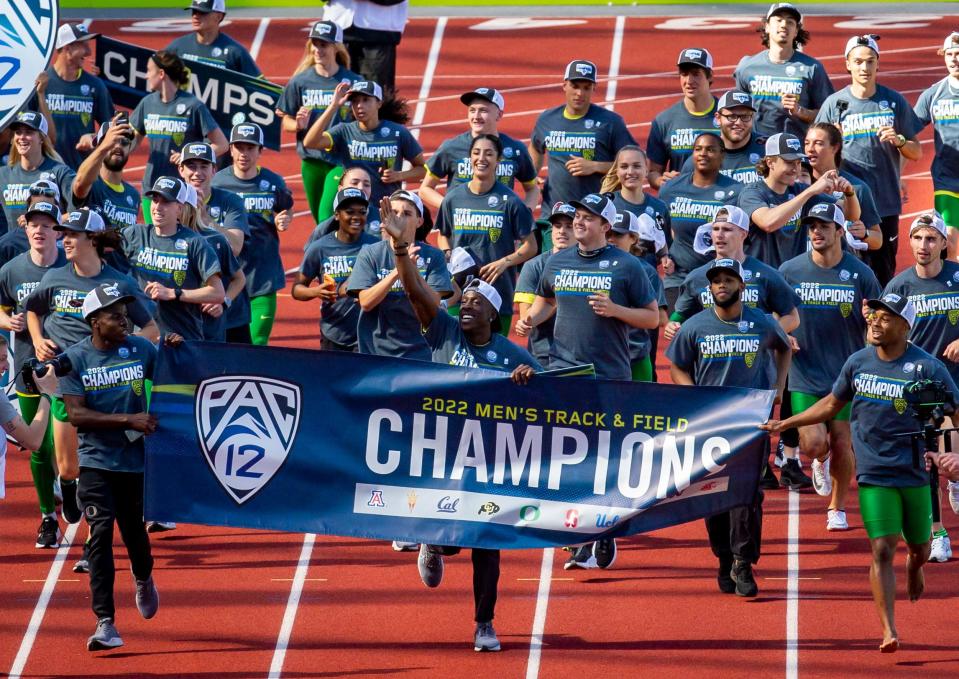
[
  {"x": 83, "y": 563},
  {"x": 605, "y": 552},
  {"x": 792, "y": 477},
  {"x": 582, "y": 558},
  {"x": 742, "y": 575},
  {"x": 726, "y": 583},
  {"x": 70, "y": 509},
  {"x": 769, "y": 480},
  {"x": 48, "y": 536}
]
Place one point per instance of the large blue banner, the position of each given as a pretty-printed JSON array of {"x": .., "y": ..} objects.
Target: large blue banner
[{"x": 368, "y": 446}]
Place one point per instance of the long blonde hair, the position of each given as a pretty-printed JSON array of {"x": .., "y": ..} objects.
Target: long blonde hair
[
  {"x": 46, "y": 147},
  {"x": 611, "y": 182},
  {"x": 307, "y": 62}
]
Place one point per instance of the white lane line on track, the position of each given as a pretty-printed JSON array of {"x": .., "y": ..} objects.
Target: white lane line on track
[
  {"x": 614, "y": 57},
  {"x": 258, "y": 38},
  {"x": 792, "y": 588},
  {"x": 539, "y": 617},
  {"x": 431, "y": 62},
  {"x": 53, "y": 575},
  {"x": 289, "y": 616}
]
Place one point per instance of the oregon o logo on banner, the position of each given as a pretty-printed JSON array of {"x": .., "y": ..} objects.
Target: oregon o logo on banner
[{"x": 28, "y": 31}]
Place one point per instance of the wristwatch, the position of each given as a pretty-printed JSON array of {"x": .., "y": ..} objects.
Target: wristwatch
[
  {"x": 177, "y": 293},
  {"x": 227, "y": 301},
  {"x": 900, "y": 140}
]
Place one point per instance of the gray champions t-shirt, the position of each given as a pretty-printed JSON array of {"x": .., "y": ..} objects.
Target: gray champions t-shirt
[
  {"x": 387, "y": 146},
  {"x": 766, "y": 290},
  {"x": 487, "y": 225},
  {"x": 112, "y": 381},
  {"x": 451, "y": 162},
  {"x": 939, "y": 105},
  {"x": 541, "y": 337},
  {"x": 937, "y": 309},
  {"x": 18, "y": 278},
  {"x": 450, "y": 346},
  {"x": 314, "y": 91},
  {"x": 579, "y": 335},
  {"x": 718, "y": 353},
  {"x": 223, "y": 52},
  {"x": 673, "y": 132},
  {"x": 739, "y": 164},
  {"x": 183, "y": 259},
  {"x": 768, "y": 81},
  {"x": 873, "y": 161},
  {"x": 597, "y": 135},
  {"x": 75, "y": 106},
  {"x": 58, "y": 300},
  {"x": 15, "y": 186},
  {"x": 880, "y": 416},
  {"x": 168, "y": 126},
  {"x": 690, "y": 207},
  {"x": 785, "y": 242},
  {"x": 831, "y": 325},
  {"x": 331, "y": 256},
  {"x": 391, "y": 328}
]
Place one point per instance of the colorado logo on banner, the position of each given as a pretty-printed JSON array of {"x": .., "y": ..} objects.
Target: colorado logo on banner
[
  {"x": 27, "y": 36},
  {"x": 246, "y": 426}
]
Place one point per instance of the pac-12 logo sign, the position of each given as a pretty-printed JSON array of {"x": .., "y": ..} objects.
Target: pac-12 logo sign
[
  {"x": 246, "y": 427},
  {"x": 27, "y": 36}
]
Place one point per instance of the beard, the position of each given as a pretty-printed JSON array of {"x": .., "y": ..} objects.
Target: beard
[
  {"x": 729, "y": 301},
  {"x": 114, "y": 165}
]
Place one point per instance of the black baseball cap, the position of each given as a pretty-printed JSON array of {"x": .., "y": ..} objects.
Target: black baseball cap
[
  {"x": 44, "y": 208},
  {"x": 84, "y": 219},
  {"x": 562, "y": 210},
  {"x": 367, "y": 87},
  {"x": 784, "y": 8},
  {"x": 32, "y": 119},
  {"x": 123, "y": 119},
  {"x": 726, "y": 264},
  {"x": 249, "y": 133},
  {"x": 198, "y": 151},
  {"x": 696, "y": 56},
  {"x": 101, "y": 297},
  {"x": 824, "y": 211},
  {"x": 897, "y": 304},
  {"x": 207, "y": 6},
  {"x": 598, "y": 204},
  {"x": 580, "y": 69},
  {"x": 487, "y": 93},
  {"x": 327, "y": 31},
  {"x": 349, "y": 195},
  {"x": 786, "y": 146},
  {"x": 168, "y": 188},
  {"x": 736, "y": 99}
]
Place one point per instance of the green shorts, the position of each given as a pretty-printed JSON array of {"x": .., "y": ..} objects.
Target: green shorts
[
  {"x": 802, "y": 401},
  {"x": 947, "y": 204},
  {"x": 891, "y": 511},
  {"x": 58, "y": 409}
]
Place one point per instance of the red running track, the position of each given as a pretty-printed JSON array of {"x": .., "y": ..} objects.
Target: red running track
[{"x": 363, "y": 611}]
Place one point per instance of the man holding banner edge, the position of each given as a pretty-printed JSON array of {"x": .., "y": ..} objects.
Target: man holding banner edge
[
  {"x": 472, "y": 340},
  {"x": 732, "y": 345}
]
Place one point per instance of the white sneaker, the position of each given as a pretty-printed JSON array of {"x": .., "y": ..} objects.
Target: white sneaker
[
  {"x": 821, "y": 481},
  {"x": 836, "y": 520},
  {"x": 941, "y": 549},
  {"x": 953, "y": 487},
  {"x": 160, "y": 526},
  {"x": 399, "y": 546}
]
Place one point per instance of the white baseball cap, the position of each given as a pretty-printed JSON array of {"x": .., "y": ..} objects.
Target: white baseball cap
[
  {"x": 862, "y": 41},
  {"x": 929, "y": 220},
  {"x": 650, "y": 230},
  {"x": 68, "y": 34},
  {"x": 951, "y": 42}
]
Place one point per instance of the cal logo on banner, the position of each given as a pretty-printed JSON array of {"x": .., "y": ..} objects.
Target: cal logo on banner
[
  {"x": 369, "y": 446},
  {"x": 27, "y": 36},
  {"x": 232, "y": 97}
]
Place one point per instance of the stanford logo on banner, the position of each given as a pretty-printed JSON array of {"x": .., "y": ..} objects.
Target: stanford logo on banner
[{"x": 246, "y": 427}]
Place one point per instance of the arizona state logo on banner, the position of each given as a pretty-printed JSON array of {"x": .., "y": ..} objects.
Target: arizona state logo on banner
[
  {"x": 246, "y": 426},
  {"x": 28, "y": 31}
]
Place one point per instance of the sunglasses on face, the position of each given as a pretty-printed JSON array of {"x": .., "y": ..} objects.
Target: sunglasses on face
[{"x": 42, "y": 191}]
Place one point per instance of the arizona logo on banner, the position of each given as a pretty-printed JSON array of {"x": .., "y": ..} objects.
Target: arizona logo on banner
[
  {"x": 368, "y": 446},
  {"x": 28, "y": 32}
]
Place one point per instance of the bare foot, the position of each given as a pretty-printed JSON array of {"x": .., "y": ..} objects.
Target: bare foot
[
  {"x": 915, "y": 583},
  {"x": 889, "y": 645}
]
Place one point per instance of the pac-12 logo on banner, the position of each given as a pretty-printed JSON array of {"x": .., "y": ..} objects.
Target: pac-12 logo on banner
[
  {"x": 28, "y": 31},
  {"x": 246, "y": 426}
]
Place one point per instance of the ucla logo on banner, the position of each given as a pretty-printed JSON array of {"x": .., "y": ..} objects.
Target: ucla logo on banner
[
  {"x": 27, "y": 36},
  {"x": 246, "y": 426}
]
